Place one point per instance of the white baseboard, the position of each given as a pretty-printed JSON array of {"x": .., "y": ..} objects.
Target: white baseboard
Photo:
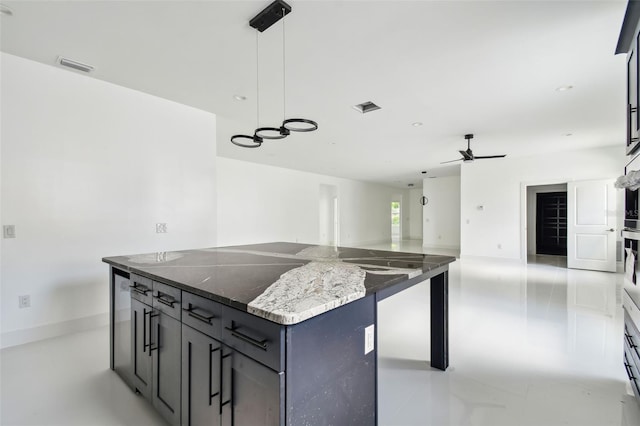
[
  {"x": 492, "y": 258},
  {"x": 441, "y": 246},
  {"x": 27, "y": 335}
]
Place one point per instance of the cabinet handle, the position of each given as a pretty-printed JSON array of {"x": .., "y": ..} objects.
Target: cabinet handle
[
  {"x": 222, "y": 404},
  {"x": 150, "y": 345},
  {"x": 211, "y": 351},
  {"x": 144, "y": 331},
  {"x": 262, "y": 344},
  {"x": 160, "y": 298},
  {"x": 629, "y": 340},
  {"x": 204, "y": 318},
  {"x": 158, "y": 342},
  {"x": 629, "y": 373},
  {"x": 139, "y": 288}
]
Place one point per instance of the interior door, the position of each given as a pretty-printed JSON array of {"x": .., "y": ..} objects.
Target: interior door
[{"x": 591, "y": 242}]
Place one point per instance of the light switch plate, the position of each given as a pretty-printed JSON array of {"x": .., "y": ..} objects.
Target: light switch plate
[{"x": 369, "y": 338}]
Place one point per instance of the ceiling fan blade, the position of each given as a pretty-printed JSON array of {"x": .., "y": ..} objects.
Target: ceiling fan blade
[
  {"x": 452, "y": 161},
  {"x": 489, "y": 156}
]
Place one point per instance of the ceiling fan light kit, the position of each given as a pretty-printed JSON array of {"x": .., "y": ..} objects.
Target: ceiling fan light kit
[
  {"x": 263, "y": 20},
  {"x": 467, "y": 156}
]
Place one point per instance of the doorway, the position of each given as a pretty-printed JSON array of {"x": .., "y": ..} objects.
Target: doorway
[
  {"x": 535, "y": 221},
  {"x": 396, "y": 223},
  {"x": 329, "y": 215},
  {"x": 551, "y": 223}
]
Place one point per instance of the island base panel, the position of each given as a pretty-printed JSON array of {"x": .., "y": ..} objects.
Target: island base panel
[{"x": 330, "y": 379}]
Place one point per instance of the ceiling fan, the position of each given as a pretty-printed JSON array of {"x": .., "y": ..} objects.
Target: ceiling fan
[{"x": 468, "y": 154}]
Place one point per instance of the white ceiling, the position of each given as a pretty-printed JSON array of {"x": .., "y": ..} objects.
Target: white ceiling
[{"x": 485, "y": 67}]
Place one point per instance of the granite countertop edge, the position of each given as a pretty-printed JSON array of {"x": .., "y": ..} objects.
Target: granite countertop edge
[{"x": 287, "y": 318}]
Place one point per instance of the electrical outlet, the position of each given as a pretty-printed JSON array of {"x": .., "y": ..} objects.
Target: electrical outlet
[
  {"x": 369, "y": 339},
  {"x": 9, "y": 231},
  {"x": 24, "y": 301},
  {"x": 161, "y": 228}
]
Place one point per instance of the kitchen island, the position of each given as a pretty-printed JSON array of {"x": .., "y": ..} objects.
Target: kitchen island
[{"x": 275, "y": 333}]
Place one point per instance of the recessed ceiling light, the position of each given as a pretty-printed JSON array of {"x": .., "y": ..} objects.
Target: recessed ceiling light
[
  {"x": 5, "y": 10},
  {"x": 564, "y": 88},
  {"x": 416, "y": 124},
  {"x": 239, "y": 98}
]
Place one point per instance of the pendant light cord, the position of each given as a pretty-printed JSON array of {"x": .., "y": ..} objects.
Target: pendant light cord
[
  {"x": 257, "y": 84},
  {"x": 284, "y": 70}
]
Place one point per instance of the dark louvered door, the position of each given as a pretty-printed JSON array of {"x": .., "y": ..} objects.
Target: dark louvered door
[{"x": 551, "y": 223}]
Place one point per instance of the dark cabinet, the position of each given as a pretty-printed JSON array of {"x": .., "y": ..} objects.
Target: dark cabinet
[
  {"x": 167, "y": 351},
  {"x": 221, "y": 386},
  {"x": 203, "y": 363},
  {"x": 141, "y": 315},
  {"x": 632, "y": 98},
  {"x": 121, "y": 330},
  {"x": 201, "y": 378},
  {"x": 632, "y": 352},
  {"x": 166, "y": 367},
  {"x": 156, "y": 342},
  {"x": 254, "y": 391},
  {"x": 628, "y": 43}
]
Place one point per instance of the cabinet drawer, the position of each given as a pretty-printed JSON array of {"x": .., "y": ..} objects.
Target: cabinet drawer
[
  {"x": 258, "y": 338},
  {"x": 141, "y": 289},
  {"x": 632, "y": 309},
  {"x": 202, "y": 314},
  {"x": 632, "y": 338},
  {"x": 167, "y": 299}
]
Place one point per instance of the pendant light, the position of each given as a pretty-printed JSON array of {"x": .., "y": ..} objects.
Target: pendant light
[{"x": 269, "y": 16}]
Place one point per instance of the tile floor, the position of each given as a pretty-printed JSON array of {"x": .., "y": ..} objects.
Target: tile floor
[{"x": 530, "y": 345}]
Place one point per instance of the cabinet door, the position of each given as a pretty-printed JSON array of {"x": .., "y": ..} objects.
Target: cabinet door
[
  {"x": 632, "y": 99},
  {"x": 167, "y": 344},
  {"x": 201, "y": 374},
  {"x": 251, "y": 392},
  {"x": 140, "y": 347},
  {"x": 121, "y": 326}
]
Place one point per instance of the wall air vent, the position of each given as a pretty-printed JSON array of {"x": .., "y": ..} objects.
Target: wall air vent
[
  {"x": 366, "y": 107},
  {"x": 78, "y": 66}
]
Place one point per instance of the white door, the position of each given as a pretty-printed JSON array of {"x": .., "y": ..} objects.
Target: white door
[{"x": 591, "y": 219}]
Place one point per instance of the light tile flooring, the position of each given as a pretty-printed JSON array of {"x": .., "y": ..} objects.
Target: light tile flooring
[{"x": 530, "y": 344}]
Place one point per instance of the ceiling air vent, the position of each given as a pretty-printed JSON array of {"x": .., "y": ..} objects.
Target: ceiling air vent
[
  {"x": 78, "y": 66},
  {"x": 366, "y": 107}
]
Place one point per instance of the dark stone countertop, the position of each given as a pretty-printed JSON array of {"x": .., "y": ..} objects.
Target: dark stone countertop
[{"x": 283, "y": 282}]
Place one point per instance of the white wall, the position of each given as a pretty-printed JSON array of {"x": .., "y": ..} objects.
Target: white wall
[
  {"x": 441, "y": 215},
  {"x": 259, "y": 203},
  {"x": 497, "y": 186},
  {"x": 532, "y": 205},
  {"x": 87, "y": 170},
  {"x": 415, "y": 214}
]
